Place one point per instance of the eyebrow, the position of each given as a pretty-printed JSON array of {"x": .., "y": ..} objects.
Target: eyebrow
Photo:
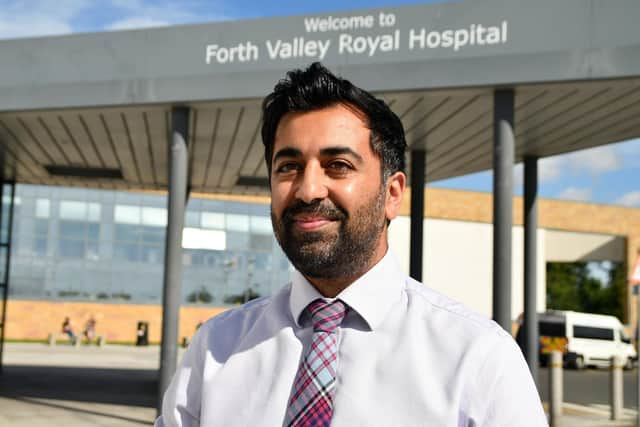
[
  {"x": 337, "y": 151},
  {"x": 287, "y": 152},
  {"x": 328, "y": 152}
]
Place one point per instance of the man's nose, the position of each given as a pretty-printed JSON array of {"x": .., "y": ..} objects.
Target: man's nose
[{"x": 312, "y": 185}]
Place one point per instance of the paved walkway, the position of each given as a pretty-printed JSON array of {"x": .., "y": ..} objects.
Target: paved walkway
[
  {"x": 78, "y": 386},
  {"x": 594, "y": 416},
  {"x": 115, "y": 386}
]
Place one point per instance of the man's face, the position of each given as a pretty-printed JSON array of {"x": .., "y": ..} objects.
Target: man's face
[{"x": 328, "y": 204}]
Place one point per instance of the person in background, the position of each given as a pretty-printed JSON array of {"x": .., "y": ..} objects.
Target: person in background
[
  {"x": 90, "y": 329},
  {"x": 67, "y": 328}
]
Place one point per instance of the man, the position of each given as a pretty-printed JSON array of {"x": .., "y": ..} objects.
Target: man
[{"x": 351, "y": 341}]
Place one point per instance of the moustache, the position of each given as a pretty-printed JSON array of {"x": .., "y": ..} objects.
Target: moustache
[{"x": 324, "y": 209}]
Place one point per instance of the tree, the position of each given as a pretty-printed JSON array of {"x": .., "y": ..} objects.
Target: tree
[
  {"x": 562, "y": 289},
  {"x": 200, "y": 296},
  {"x": 570, "y": 286}
]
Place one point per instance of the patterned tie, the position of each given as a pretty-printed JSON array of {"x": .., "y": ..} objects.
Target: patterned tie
[{"x": 314, "y": 387}]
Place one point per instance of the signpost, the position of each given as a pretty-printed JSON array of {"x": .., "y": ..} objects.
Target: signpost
[{"x": 635, "y": 281}]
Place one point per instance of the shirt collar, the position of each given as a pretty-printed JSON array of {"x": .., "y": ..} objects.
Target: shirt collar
[{"x": 371, "y": 296}]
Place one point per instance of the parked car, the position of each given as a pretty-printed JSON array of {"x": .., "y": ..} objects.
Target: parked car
[{"x": 585, "y": 339}]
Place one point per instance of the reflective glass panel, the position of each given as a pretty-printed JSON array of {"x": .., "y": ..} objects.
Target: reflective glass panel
[
  {"x": 43, "y": 208},
  {"x": 156, "y": 217},
  {"x": 126, "y": 252},
  {"x": 236, "y": 222},
  {"x": 213, "y": 220},
  {"x": 126, "y": 233},
  {"x": 94, "y": 212},
  {"x": 261, "y": 225},
  {"x": 71, "y": 248},
  {"x": 192, "y": 219},
  {"x": 72, "y": 229},
  {"x": 41, "y": 227},
  {"x": 73, "y": 210},
  {"x": 127, "y": 214}
]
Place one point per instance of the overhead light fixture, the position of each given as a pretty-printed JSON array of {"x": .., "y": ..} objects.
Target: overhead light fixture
[{"x": 83, "y": 172}]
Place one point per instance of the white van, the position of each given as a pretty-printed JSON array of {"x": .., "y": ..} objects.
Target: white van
[{"x": 586, "y": 339}]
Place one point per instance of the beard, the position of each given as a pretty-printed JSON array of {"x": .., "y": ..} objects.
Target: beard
[{"x": 335, "y": 253}]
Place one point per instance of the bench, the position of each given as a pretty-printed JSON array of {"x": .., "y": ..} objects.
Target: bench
[{"x": 55, "y": 336}]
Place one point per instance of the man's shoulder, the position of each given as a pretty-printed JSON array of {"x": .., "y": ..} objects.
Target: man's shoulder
[
  {"x": 227, "y": 330},
  {"x": 453, "y": 312},
  {"x": 250, "y": 311}
]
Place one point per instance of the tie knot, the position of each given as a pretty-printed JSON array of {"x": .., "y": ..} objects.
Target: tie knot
[{"x": 326, "y": 317}]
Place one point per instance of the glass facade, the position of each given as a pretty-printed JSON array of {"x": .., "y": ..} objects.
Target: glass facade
[{"x": 108, "y": 246}]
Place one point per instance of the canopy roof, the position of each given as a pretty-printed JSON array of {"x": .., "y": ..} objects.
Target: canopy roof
[{"x": 93, "y": 109}]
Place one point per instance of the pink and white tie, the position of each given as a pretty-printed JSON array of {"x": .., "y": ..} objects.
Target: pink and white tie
[{"x": 311, "y": 403}]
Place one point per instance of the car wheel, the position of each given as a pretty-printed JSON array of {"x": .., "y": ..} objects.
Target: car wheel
[{"x": 579, "y": 362}]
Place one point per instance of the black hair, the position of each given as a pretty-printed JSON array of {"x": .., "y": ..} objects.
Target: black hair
[{"x": 316, "y": 88}]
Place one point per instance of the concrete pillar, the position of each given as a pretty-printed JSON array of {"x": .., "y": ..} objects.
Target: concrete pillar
[
  {"x": 531, "y": 333},
  {"x": 417, "y": 213},
  {"x": 555, "y": 389},
  {"x": 171, "y": 296},
  {"x": 503, "y": 153},
  {"x": 615, "y": 389}
]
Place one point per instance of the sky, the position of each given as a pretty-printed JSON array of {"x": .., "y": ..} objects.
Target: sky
[{"x": 607, "y": 175}]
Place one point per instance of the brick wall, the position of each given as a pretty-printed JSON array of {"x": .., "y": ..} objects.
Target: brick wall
[{"x": 117, "y": 322}]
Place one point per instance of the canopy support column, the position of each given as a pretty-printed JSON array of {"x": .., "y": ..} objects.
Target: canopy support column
[
  {"x": 530, "y": 264},
  {"x": 503, "y": 153},
  {"x": 417, "y": 213},
  {"x": 171, "y": 296}
]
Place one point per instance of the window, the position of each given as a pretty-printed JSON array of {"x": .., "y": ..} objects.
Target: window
[
  {"x": 197, "y": 238},
  {"x": 151, "y": 254},
  {"x": 43, "y": 208},
  {"x": 593, "y": 333},
  {"x": 72, "y": 243},
  {"x": 41, "y": 227},
  {"x": 552, "y": 329},
  {"x": 261, "y": 241},
  {"x": 93, "y": 212},
  {"x": 127, "y": 214},
  {"x": 126, "y": 252},
  {"x": 153, "y": 235},
  {"x": 156, "y": 217},
  {"x": 212, "y": 220},
  {"x": 192, "y": 219},
  {"x": 126, "y": 232},
  {"x": 72, "y": 229},
  {"x": 72, "y": 248},
  {"x": 237, "y": 222},
  {"x": 73, "y": 210},
  {"x": 40, "y": 246},
  {"x": 261, "y": 225}
]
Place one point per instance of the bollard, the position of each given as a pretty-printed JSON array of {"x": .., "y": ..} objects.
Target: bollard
[
  {"x": 615, "y": 388},
  {"x": 52, "y": 339},
  {"x": 555, "y": 391}
]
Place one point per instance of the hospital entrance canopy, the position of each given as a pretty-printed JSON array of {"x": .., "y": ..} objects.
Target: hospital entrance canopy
[{"x": 93, "y": 109}]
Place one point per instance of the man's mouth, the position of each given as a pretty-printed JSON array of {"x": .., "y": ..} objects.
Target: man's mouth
[{"x": 311, "y": 223}]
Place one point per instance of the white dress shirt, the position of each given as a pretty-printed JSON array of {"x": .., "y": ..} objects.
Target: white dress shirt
[{"x": 407, "y": 356}]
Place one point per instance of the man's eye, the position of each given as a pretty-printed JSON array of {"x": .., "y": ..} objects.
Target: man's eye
[
  {"x": 339, "y": 166},
  {"x": 287, "y": 167}
]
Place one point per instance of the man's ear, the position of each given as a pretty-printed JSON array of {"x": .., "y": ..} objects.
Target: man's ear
[{"x": 396, "y": 185}]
